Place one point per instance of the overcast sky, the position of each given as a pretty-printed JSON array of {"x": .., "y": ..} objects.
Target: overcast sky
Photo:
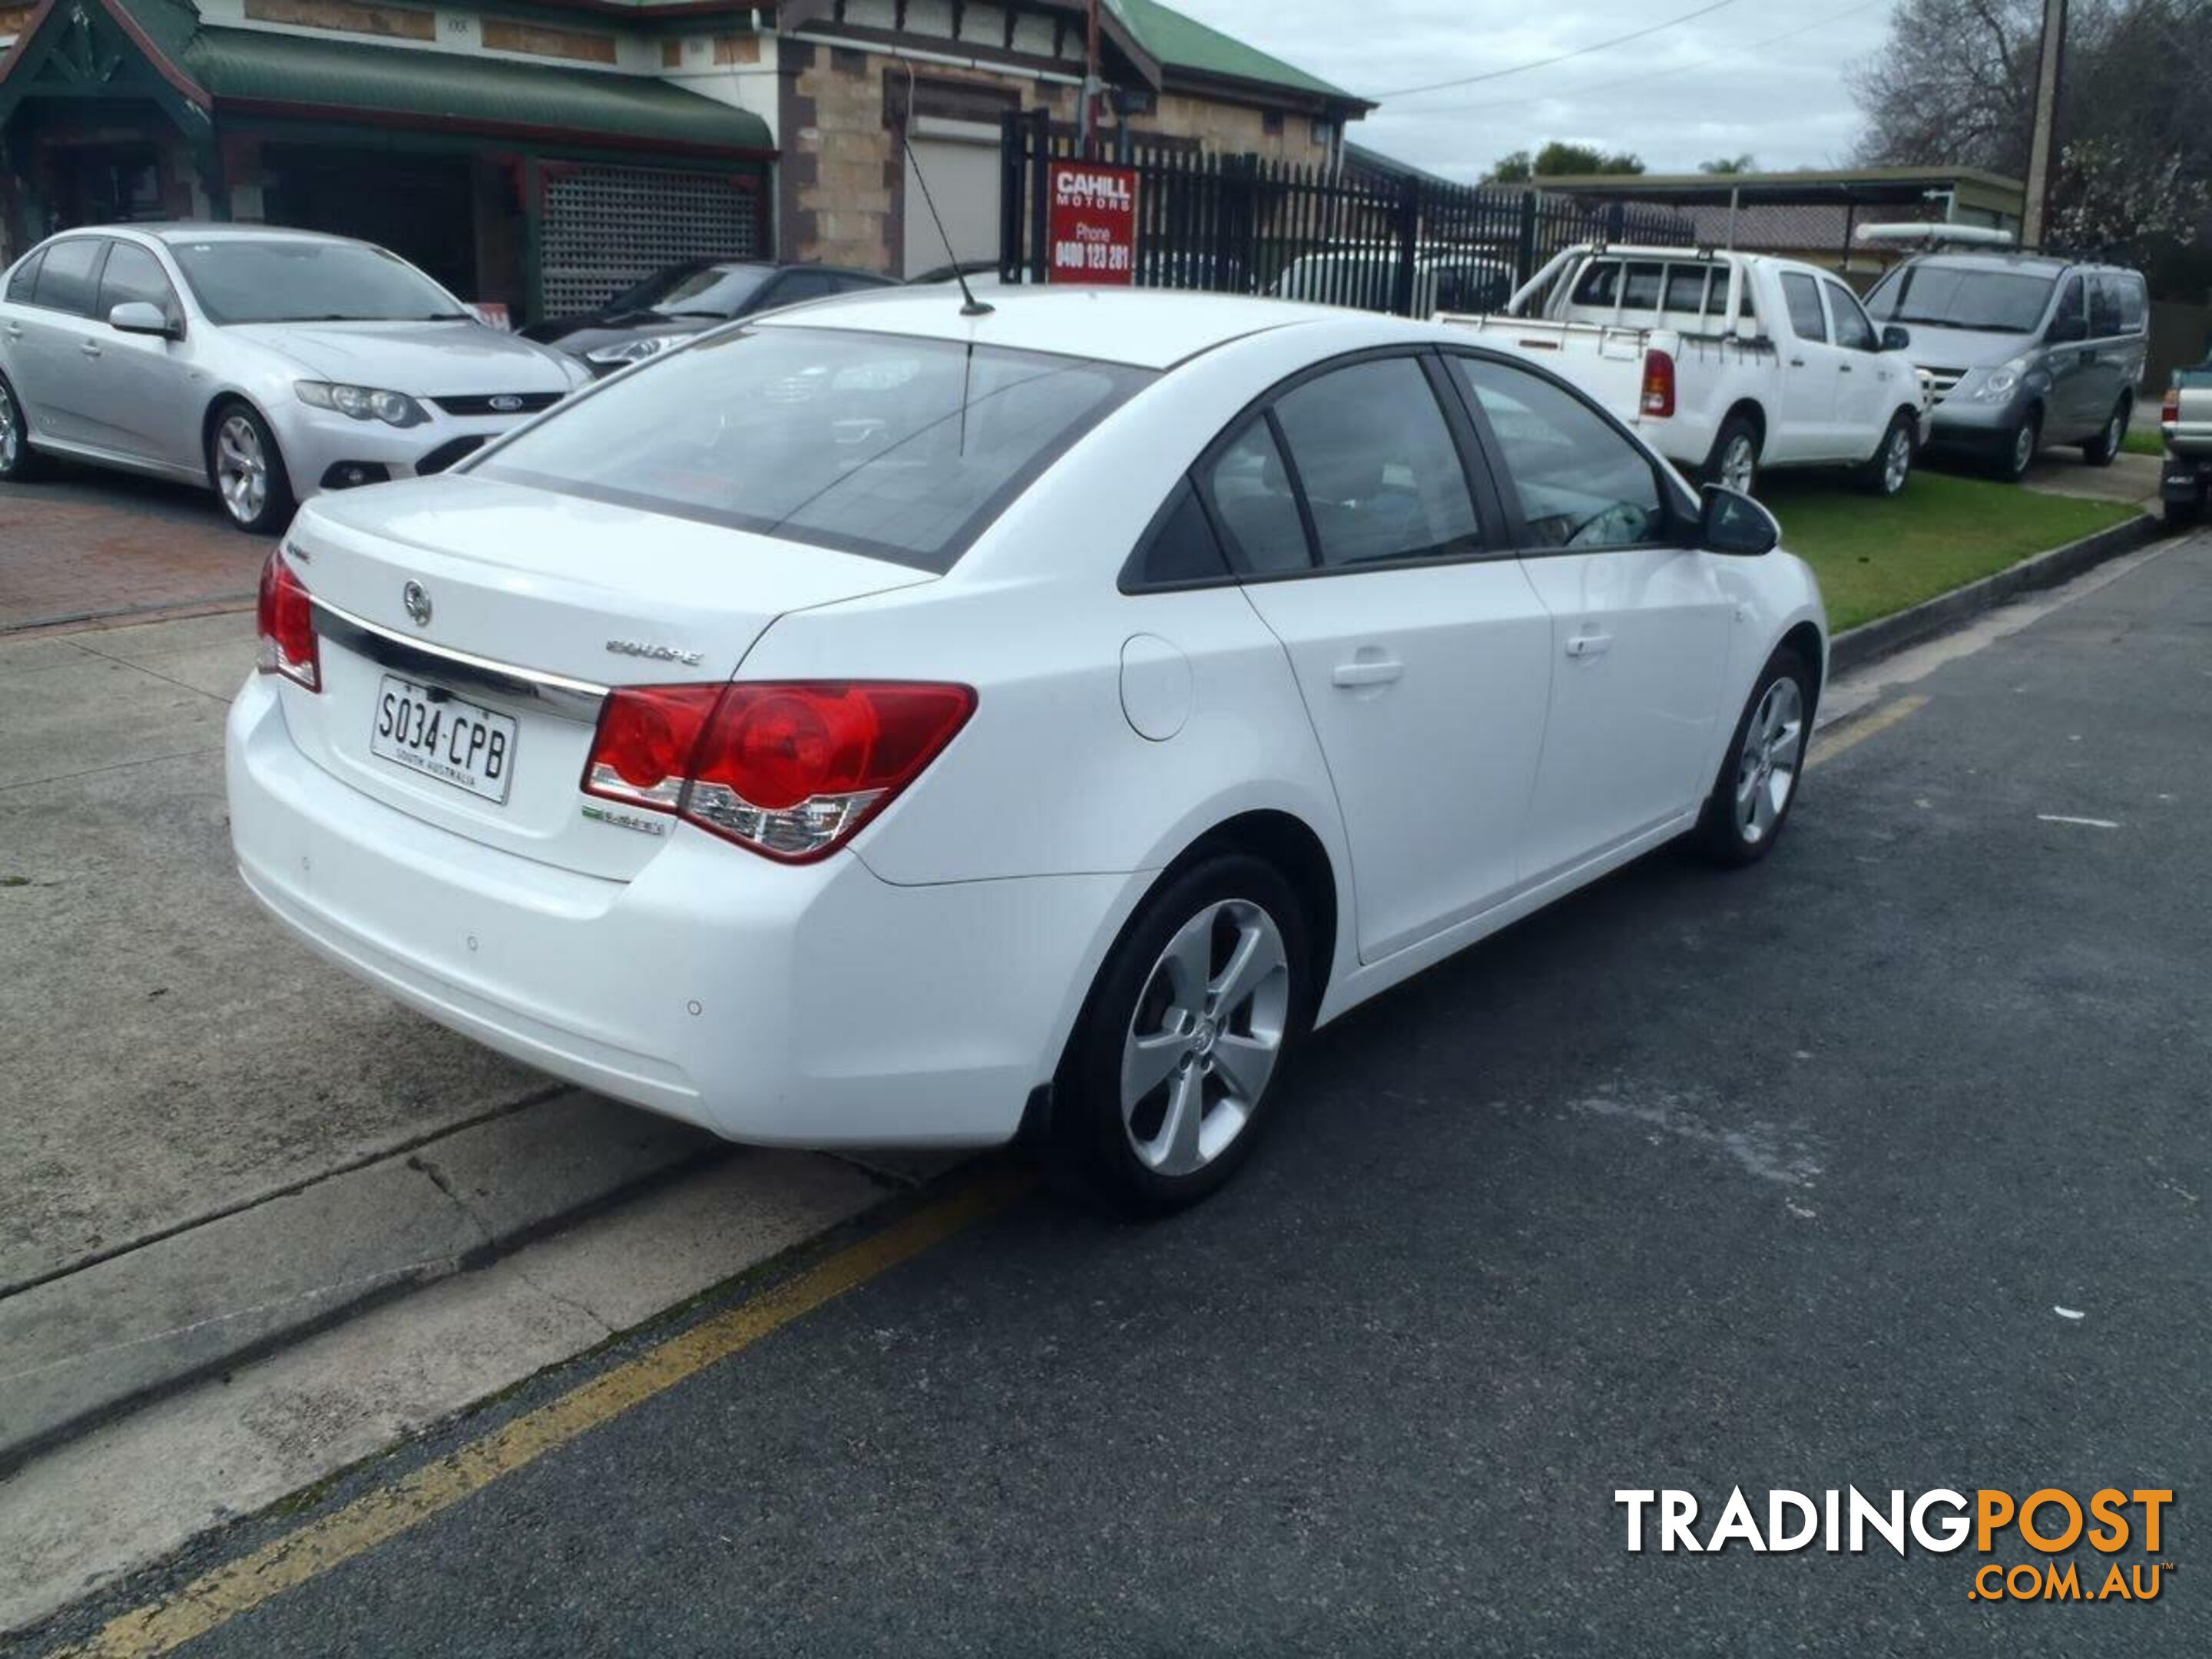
[{"x": 1723, "y": 84}]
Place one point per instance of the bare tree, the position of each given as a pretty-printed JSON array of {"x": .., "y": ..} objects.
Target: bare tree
[{"x": 1955, "y": 86}]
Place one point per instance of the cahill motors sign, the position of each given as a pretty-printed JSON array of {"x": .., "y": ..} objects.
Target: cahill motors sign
[
  {"x": 1093, "y": 222},
  {"x": 2050, "y": 1523}
]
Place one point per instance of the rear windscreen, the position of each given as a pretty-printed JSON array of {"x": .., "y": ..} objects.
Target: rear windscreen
[{"x": 879, "y": 444}]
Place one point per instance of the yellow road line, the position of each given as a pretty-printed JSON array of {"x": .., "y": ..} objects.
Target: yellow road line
[
  {"x": 1857, "y": 731},
  {"x": 237, "y": 1587}
]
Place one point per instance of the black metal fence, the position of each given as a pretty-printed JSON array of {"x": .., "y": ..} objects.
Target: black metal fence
[{"x": 1242, "y": 224}]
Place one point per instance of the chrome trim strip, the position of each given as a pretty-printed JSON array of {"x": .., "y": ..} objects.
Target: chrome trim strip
[{"x": 555, "y": 694}]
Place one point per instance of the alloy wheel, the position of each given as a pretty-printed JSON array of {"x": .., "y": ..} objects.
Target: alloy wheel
[
  {"x": 2023, "y": 449},
  {"x": 241, "y": 468},
  {"x": 1896, "y": 461},
  {"x": 1767, "y": 771},
  {"x": 1206, "y": 1036},
  {"x": 1739, "y": 465},
  {"x": 11, "y": 432}
]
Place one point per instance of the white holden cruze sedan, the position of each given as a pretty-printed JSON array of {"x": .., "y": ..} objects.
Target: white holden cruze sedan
[{"x": 873, "y": 725}]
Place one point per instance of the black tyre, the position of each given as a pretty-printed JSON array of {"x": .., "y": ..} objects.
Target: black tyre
[
  {"x": 1735, "y": 459},
  {"x": 1183, "y": 1046},
  {"x": 2186, "y": 513},
  {"x": 2020, "y": 448},
  {"x": 246, "y": 470},
  {"x": 19, "y": 462},
  {"x": 2105, "y": 448},
  {"x": 1890, "y": 468},
  {"x": 1749, "y": 806}
]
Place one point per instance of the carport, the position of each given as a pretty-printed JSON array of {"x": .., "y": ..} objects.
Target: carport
[
  {"x": 1814, "y": 216},
  {"x": 538, "y": 187}
]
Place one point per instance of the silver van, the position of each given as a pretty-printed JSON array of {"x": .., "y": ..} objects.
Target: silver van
[{"x": 2021, "y": 350}]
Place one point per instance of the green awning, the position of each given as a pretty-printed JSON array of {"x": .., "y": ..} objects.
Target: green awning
[{"x": 261, "y": 71}]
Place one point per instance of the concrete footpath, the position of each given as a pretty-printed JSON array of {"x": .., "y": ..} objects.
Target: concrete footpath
[{"x": 213, "y": 1142}]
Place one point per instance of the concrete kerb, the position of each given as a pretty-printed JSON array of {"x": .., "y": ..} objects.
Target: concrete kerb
[
  {"x": 86, "y": 1346},
  {"x": 1856, "y": 647}
]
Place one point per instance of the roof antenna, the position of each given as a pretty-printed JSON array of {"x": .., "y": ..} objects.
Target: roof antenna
[{"x": 974, "y": 307}]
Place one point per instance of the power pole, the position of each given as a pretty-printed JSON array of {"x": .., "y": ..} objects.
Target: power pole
[
  {"x": 2043, "y": 147},
  {"x": 1091, "y": 81}
]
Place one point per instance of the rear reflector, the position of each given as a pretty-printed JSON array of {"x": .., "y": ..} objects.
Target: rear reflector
[
  {"x": 287, "y": 620},
  {"x": 791, "y": 769},
  {"x": 1658, "y": 385},
  {"x": 2170, "y": 411}
]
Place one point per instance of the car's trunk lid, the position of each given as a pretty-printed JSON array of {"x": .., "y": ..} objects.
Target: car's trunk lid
[{"x": 505, "y": 610}]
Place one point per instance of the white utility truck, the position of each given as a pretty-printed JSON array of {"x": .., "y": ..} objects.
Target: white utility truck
[{"x": 1727, "y": 362}]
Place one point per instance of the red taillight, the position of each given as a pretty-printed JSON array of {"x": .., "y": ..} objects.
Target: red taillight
[
  {"x": 790, "y": 769},
  {"x": 288, "y": 626},
  {"x": 1658, "y": 385},
  {"x": 2169, "y": 412}
]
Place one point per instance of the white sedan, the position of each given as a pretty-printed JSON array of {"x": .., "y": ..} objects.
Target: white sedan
[{"x": 872, "y": 724}]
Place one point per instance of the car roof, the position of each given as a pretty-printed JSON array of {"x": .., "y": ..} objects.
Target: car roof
[
  {"x": 2041, "y": 265},
  {"x": 1143, "y": 328},
  {"x": 188, "y": 230}
]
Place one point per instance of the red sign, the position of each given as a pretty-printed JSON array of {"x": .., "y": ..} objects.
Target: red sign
[{"x": 1094, "y": 222}]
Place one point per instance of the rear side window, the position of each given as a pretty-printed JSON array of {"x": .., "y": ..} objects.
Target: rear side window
[
  {"x": 1686, "y": 287},
  {"x": 1644, "y": 285},
  {"x": 1248, "y": 486},
  {"x": 1600, "y": 283},
  {"x": 1802, "y": 295},
  {"x": 68, "y": 280},
  {"x": 1381, "y": 473},
  {"x": 26, "y": 278},
  {"x": 1182, "y": 547},
  {"x": 2072, "y": 307},
  {"x": 2104, "y": 306},
  {"x": 877, "y": 444},
  {"x": 2135, "y": 304},
  {"x": 1582, "y": 485}
]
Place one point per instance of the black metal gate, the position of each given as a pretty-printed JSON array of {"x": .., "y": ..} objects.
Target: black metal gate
[{"x": 1243, "y": 224}]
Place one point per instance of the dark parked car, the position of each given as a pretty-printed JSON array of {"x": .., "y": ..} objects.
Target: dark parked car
[{"x": 673, "y": 305}]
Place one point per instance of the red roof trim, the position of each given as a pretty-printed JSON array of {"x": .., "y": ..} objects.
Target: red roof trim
[{"x": 170, "y": 72}]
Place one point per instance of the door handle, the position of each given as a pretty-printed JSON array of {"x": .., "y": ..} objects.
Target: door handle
[
  {"x": 1589, "y": 645},
  {"x": 1797, "y": 362},
  {"x": 1844, "y": 369},
  {"x": 14, "y": 331},
  {"x": 88, "y": 348},
  {"x": 1351, "y": 675}
]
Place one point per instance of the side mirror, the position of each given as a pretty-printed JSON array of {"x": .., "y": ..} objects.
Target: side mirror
[
  {"x": 141, "y": 317},
  {"x": 2066, "y": 331},
  {"x": 1897, "y": 338},
  {"x": 1736, "y": 525}
]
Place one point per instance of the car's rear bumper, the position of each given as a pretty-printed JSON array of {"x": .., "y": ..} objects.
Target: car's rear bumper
[
  {"x": 2185, "y": 477},
  {"x": 796, "y": 1005}
]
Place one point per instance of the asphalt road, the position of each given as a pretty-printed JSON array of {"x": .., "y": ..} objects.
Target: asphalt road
[{"x": 1771, "y": 1180}]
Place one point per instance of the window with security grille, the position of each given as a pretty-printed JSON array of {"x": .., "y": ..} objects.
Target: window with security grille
[{"x": 606, "y": 227}]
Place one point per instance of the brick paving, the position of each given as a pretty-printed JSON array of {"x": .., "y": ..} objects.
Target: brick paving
[{"x": 85, "y": 547}]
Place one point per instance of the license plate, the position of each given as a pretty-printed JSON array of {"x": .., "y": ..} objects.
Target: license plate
[{"x": 433, "y": 731}]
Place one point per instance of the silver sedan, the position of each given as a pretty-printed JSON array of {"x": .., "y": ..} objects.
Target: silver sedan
[{"x": 263, "y": 364}]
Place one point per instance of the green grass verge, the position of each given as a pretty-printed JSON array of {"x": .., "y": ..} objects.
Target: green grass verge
[
  {"x": 1877, "y": 557},
  {"x": 2140, "y": 442}
]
